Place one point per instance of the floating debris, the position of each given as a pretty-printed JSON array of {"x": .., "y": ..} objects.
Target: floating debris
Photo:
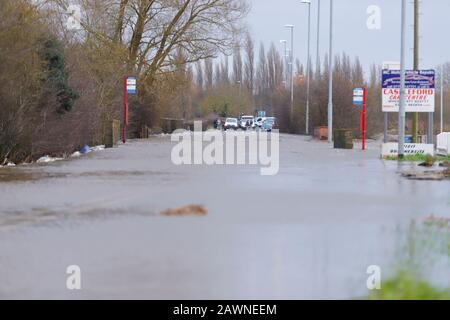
[
  {"x": 48, "y": 159},
  {"x": 190, "y": 210},
  {"x": 441, "y": 222},
  {"x": 445, "y": 164},
  {"x": 428, "y": 175}
]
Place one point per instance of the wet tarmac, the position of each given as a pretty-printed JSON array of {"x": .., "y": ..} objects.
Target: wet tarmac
[{"x": 309, "y": 232}]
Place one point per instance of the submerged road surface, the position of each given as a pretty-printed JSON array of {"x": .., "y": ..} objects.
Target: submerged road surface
[{"x": 309, "y": 232}]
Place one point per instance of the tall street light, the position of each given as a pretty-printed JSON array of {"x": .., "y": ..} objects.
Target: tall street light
[
  {"x": 330, "y": 80},
  {"x": 284, "y": 42},
  {"x": 442, "y": 98},
  {"x": 291, "y": 27},
  {"x": 308, "y": 67},
  {"x": 318, "y": 36},
  {"x": 401, "y": 114}
]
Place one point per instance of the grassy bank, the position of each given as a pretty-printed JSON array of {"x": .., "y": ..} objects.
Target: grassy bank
[
  {"x": 419, "y": 158},
  {"x": 427, "y": 244},
  {"x": 406, "y": 286}
]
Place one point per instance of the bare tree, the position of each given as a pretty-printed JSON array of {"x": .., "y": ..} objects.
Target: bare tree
[
  {"x": 237, "y": 65},
  {"x": 199, "y": 75},
  {"x": 209, "y": 73},
  {"x": 262, "y": 71},
  {"x": 224, "y": 71},
  {"x": 249, "y": 67},
  {"x": 152, "y": 30},
  {"x": 275, "y": 68}
]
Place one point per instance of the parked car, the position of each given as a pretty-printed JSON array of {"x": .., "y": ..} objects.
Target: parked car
[
  {"x": 231, "y": 123},
  {"x": 268, "y": 124},
  {"x": 247, "y": 122},
  {"x": 259, "y": 121}
]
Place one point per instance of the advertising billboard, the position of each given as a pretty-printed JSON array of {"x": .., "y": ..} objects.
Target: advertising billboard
[{"x": 419, "y": 91}]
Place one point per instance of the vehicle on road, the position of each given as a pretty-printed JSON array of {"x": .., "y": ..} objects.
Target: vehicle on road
[
  {"x": 268, "y": 124},
  {"x": 247, "y": 122},
  {"x": 231, "y": 123},
  {"x": 259, "y": 121}
]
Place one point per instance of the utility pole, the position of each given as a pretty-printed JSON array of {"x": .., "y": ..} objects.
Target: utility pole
[
  {"x": 401, "y": 114},
  {"x": 291, "y": 27},
  {"x": 415, "y": 125},
  {"x": 308, "y": 67},
  {"x": 286, "y": 64},
  {"x": 330, "y": 80},
  {"x": 442, "y": 98}
]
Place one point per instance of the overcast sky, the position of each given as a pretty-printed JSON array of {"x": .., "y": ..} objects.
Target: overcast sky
[{"x": 351, "y": 34}]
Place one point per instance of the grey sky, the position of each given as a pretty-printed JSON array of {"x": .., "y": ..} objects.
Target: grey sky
[{"x": 268, "y": 17}]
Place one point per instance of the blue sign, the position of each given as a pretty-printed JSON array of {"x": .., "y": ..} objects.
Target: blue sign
[
  {"x": 131, "y": 85},
  {"x": 261, "y": 114},
  {"x": 358, "y": 96},
  {"x": 421, "y": 79}
]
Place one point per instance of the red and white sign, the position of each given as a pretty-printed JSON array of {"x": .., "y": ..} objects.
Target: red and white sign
[
  {"x": 419, "y": 90},
  {"x": 416, "y": 100}
]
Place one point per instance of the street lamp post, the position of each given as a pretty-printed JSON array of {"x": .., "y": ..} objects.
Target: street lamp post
[
  {"x": 401, "y": 114},
  {"x": 318, "y": 37},
  {"x": 291, "y": 27},
  {"x": 442, "y": 98},
  {"x": 330, "y": 80},
  {"x": 284, "y": 42},
  {"x": 308, "y": 67}
]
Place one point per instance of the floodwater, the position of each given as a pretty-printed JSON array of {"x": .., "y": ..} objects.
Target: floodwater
[{"x": 309, "y": 232}]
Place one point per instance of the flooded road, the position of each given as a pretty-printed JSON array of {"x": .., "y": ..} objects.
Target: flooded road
[{"x": 309, "y": 232}]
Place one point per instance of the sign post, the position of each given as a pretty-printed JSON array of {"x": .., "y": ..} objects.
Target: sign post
[
  {"x": 418, "y": 95},
  {"x": 360, "y": 99},
  {"x": 420, "y": 90},
  {"x": 129, "y": 87}
]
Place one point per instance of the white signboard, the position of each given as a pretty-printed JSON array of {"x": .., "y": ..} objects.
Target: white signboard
[
  {"x": 131, "y": 85},
  {"x": 419, "y": 91},
  {"x": 391, "y": 149}
]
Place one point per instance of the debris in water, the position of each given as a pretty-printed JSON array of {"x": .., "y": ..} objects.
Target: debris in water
[
  {"x": 98, "y": 148},
  {"x": 190, "y": 210},
  {"x": 428, "y": 175},
  {"x": 48, "y": 159},
  {"x": 85, "y": 150},
  {"x": 429, "y": 161},
  {"x": 445, "y": 164},
  {"x": 442, "y": 222}
]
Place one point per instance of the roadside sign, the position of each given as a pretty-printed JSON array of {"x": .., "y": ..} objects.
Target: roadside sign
[
  {"x": 261, "y": 114},
  {"x": 358, "y": 96},
  {"x": 131, "y": 85},
  {"x": 391, "y": 65},
  {"x": 360, "y": 99},
  {"x": 391, "y": 149},
  {"x": 419, "y": 90}
]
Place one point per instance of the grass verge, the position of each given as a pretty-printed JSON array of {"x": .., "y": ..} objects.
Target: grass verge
[
  {"x": 419, "y": 158},
  {"x": 404, "y": 286}
]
